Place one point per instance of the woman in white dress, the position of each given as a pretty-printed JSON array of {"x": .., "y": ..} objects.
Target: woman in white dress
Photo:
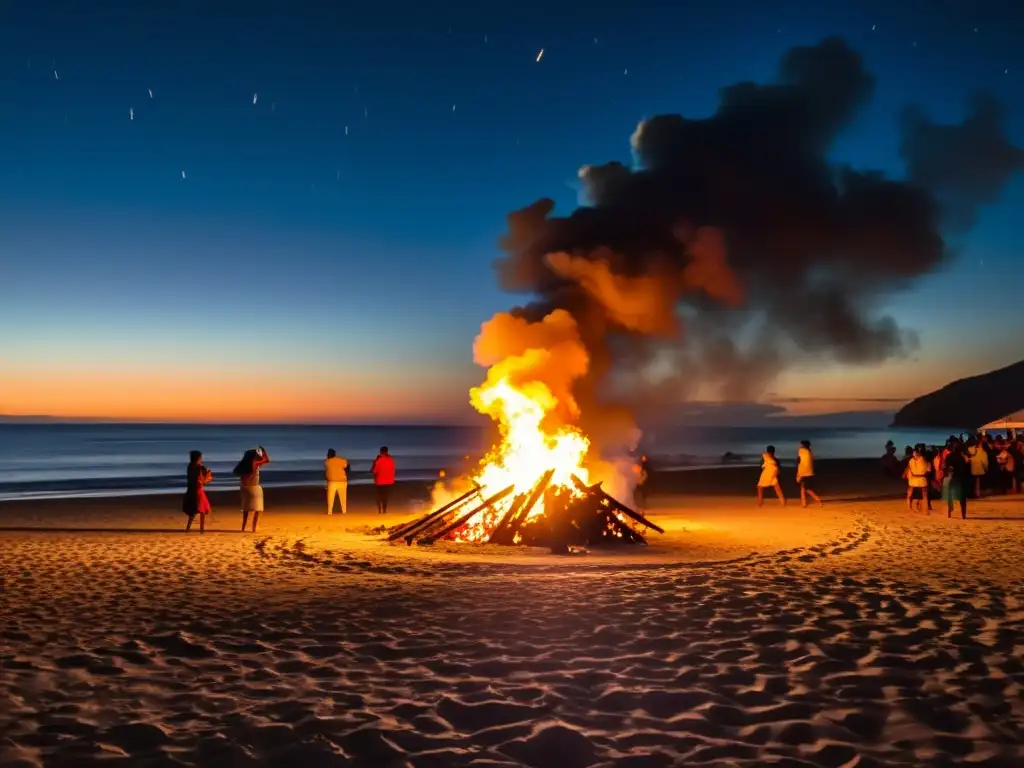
[
  {"x": 769, "y": 476},
  {"x": 917, "y": 481}
]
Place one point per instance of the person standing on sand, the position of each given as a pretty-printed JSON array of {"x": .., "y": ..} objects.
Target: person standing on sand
[
  {"x": 805, "y": 473},
  {"x": 248, "y": 471},
  {"x": 336, "y": 474},
  {"x": 917, "y": 481},
  {"x": 978, "y": 458},
  {"x": 196, "y": 501},
  {"x": 383, "y": 471},
  {"x": 956, "y": 477},
  {"x": 769, "y": 476}
]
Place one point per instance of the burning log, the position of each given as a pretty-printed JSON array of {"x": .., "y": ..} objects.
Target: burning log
[
  {"x": 579, "y": 514},
  {"x": 506, "y": 530},
  {"x": 409, "y": 530},
  {"x": 488, "y": 503},
  {"x": 618, "y": 505}
]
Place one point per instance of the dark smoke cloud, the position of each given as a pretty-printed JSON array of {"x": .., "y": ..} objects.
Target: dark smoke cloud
[{"x": 763, "y": 251}]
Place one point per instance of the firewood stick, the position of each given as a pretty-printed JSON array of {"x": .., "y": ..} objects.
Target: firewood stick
[
  {"x": 410, "y": 528},
  {"x": 516, "y": 521},
  {"x": 469, "y": 515},
  {"x": 597, "y": 489}
]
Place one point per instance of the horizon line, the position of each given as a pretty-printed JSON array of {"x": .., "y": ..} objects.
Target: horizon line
[{"x": 12, "y": 419}]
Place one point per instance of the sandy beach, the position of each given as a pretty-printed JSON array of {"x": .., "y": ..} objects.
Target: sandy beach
[{"x": 856, "y": 634}]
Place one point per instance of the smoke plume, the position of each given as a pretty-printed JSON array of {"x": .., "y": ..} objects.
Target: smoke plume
[{"x": 734, "y": 247}]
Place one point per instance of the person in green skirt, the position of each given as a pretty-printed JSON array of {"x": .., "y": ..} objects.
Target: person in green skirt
[{"x": 956, "y": 477}]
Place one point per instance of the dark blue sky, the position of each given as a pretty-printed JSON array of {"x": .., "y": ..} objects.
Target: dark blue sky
[{"x": 334, "y": 239}]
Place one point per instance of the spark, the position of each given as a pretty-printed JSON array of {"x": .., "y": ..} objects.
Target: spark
[
  {"x": 55, "y": 75},
  {"x": 540, "y": 55},
  {"x": 366, "y": 111},
  {"x": 183, "y": 174},
  {"x": 873, "y": 26},
  {"x": 255, "y": 96},
  {"x": 131, "y": 113},
  {"x": 625, "y": 71},
  {"x": 346, "y": 130},
  {"x": 595, "y": 41},
  {"x": 453, "y": 107},
  {"x": 150, "y": 92}
]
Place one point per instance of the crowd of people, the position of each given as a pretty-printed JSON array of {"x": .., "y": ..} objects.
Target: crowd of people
[
  {"x": 965, "y": 467},
  {"x": 196, "y": 503}
]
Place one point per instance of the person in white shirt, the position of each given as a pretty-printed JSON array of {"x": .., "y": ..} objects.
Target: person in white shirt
[
  {"x": 917, "y": 481},
  {"x": 805, "y": 473},
  {"x": 336, "y": 474},
  {"x": 769, "y": 476}
]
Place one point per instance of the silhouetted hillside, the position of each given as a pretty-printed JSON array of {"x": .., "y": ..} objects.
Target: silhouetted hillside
[{"x": 967, "y": 403}]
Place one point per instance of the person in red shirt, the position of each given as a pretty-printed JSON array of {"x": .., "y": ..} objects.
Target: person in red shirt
[{"x": 383, "y": 470}]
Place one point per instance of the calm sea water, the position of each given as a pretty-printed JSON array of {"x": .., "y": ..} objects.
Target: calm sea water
[{"x": 60, "y": 460}]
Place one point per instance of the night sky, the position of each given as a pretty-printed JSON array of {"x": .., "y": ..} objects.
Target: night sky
[{"x": 290, "y": 211}]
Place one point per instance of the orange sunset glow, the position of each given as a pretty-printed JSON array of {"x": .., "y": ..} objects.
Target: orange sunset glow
[{"x": 219, "y": 396}]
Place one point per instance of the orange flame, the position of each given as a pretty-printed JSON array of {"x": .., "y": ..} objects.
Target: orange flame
[{"x": 528, "y": 393}]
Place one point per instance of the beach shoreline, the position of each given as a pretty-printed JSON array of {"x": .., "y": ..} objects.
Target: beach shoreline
[{"x": 838, "y": 478}]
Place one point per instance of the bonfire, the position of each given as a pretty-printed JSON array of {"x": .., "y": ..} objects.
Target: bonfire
[{"x": 534, "y": 487}]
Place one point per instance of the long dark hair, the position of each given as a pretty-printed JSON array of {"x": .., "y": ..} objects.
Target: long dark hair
[
  {"x": 244, "y": 465},
  {"x": 194, "y": 456}
]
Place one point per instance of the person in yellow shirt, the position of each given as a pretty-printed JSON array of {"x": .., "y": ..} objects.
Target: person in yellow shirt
[
  {"x": 805, "y": 473},
  {"x": 336, "y": 473},
  {"x": 917, "y": 481}
]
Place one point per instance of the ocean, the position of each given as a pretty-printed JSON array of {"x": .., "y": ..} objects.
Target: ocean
[{"x": 56, "y": 460}]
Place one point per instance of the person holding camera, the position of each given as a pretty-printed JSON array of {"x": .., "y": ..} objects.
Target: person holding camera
[{"x": 248, "y": 471}]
